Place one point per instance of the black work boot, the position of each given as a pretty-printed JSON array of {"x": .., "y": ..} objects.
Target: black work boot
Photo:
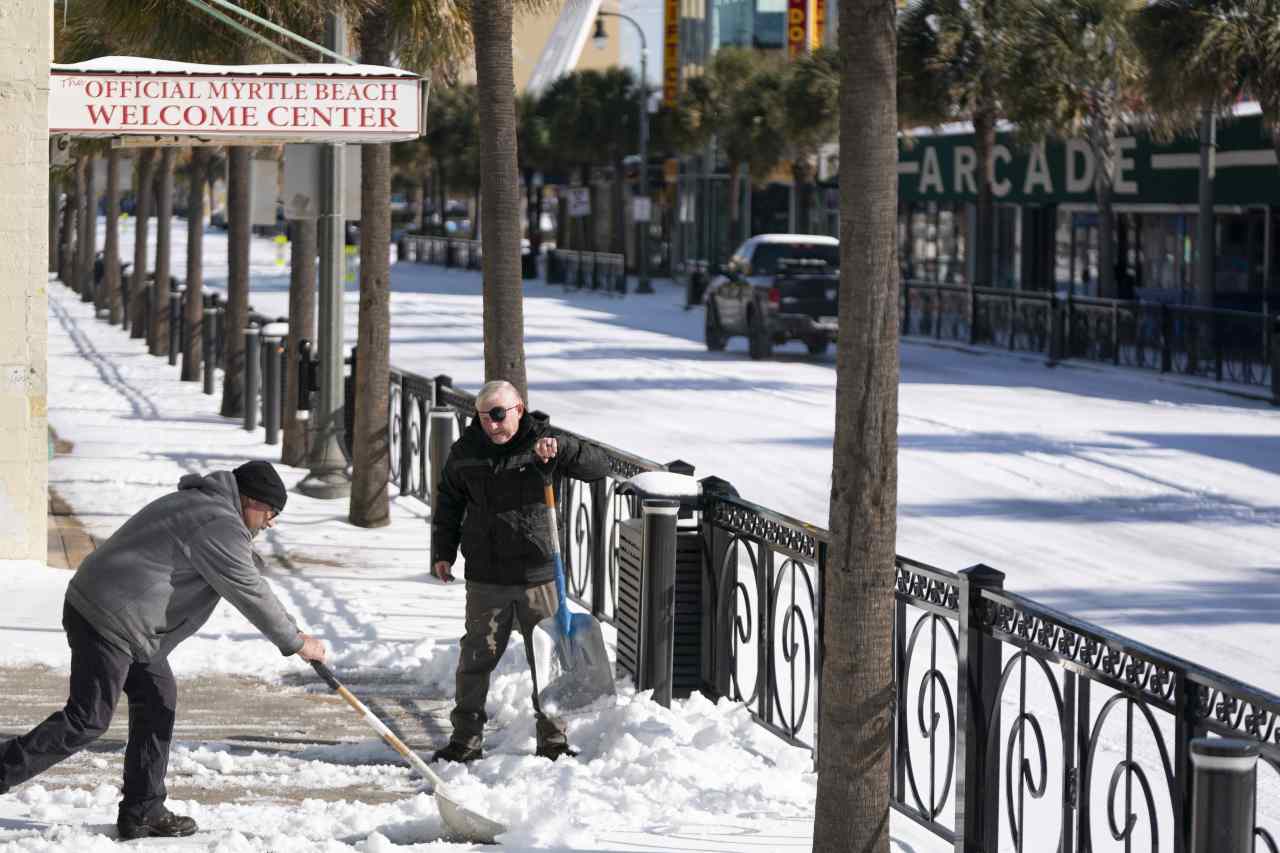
[
  {"x": 162, "y": 824},
  {"x": 457, "y": 752},
  {"x": 555, "y": 750}
]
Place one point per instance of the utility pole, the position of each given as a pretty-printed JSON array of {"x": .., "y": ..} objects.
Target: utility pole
[{"x": 327, "y": 477}]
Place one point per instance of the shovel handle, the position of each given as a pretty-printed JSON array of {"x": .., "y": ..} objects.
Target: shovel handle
[{"x": 380, "y": 727}]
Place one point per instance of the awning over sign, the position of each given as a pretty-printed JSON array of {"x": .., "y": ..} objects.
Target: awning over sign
[{"x": 258, "y": 104}]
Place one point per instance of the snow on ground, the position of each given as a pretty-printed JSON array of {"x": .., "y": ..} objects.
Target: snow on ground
[{"x": 1145, "y": 505}]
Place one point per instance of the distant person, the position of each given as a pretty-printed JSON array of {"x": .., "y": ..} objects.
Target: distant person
[
  {"x": 492, "y": 503},
  {"x": 153, "y": 584}
]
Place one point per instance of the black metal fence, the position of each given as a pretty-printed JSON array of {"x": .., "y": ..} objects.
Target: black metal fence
[
  {"x": 1212, "y": 343},
  {"x": 1008, "y": 714}
]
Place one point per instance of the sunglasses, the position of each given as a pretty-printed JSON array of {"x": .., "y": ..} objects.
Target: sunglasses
[{"x": 498, "y": 413}]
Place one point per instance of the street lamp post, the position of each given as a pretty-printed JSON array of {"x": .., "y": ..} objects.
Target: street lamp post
[{"x": 643, "y": 286}]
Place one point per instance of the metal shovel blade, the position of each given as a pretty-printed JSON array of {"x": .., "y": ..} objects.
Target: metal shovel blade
[
  {"x": 466, "y": 824},
  {"x": 573, "y": 670}
]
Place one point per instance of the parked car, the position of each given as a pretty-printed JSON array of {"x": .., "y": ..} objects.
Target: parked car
[{"x": 776, "y": 288}]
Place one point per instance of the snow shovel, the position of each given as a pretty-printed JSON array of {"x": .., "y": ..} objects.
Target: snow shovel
[
  {"x": 464, "y": 823},
  {"x": 570, "y": 661}
]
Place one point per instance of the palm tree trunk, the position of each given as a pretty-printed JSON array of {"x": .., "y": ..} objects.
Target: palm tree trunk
[
  {"x": 55, "y": 195},
  {"x": 1102, "y": 139},
  {"x": 111, "y": 249},
  {"x": 70, "y": 223},
  {"x": 142, "y": 225},
  {"x": 370, "y": 444},
  {"x": 984, "y": 135},
  {"x": 735, "y": 202},
  {"x": 294, "y": 448},
  {"x": 88, "y": 228},
  {"x": 855, "y": 715},
  {"x": 239, "y": 214},
  {"x": 500, "y": 194},
  {"x": 193, "y": 299},
  {"x": 159, "y": 335}
]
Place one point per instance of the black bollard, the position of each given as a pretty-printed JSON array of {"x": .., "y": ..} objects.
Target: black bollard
[
  {"x": 658, "y": 604},
  {"x": 1224, "y": 795},
  {"x": 252, "y": 358},
  {"x": 273, "y": 335},
  {"x": 175, "y": 322},
  {"x": 206, "y": 347}
]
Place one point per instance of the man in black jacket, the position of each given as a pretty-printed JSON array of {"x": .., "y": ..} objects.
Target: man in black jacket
[{"x": 491, "y": 502}]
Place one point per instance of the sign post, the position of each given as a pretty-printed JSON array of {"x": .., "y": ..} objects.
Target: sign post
[{"x": 327, "y": 476}]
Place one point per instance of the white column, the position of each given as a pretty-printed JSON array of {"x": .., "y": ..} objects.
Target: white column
[{"x": 24, "y": 181}]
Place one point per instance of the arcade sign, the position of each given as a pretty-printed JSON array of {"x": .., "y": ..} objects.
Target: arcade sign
[{"x": 280, "y": 103}]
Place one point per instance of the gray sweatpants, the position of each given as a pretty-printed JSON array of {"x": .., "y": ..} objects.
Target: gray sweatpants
[{"x": 491, "y": 611}]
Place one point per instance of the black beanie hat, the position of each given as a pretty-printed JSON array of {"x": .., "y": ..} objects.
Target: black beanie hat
[{"x": 259, "y": 480}]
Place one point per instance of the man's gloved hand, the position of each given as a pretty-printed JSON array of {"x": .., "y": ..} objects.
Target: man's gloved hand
[
  {"x": 441, "y": 570},
  {"x": 312, "y": 649}
]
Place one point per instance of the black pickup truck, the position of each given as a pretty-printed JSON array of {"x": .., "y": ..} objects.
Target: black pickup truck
[{"x": 798, "y": 303}]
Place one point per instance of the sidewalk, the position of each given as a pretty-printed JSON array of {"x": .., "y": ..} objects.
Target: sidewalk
[{"x": 265, "y": 758}]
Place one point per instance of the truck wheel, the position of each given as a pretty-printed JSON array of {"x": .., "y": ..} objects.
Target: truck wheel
[
  {"x": 758, "y": 344},
  {"x": 716, "y": 338},
  {"x": 817, "y": 346}
]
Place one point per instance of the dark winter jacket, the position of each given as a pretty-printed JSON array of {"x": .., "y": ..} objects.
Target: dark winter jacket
[
  {"x": 159, "y": 577},
  {"x": 491, "y": 501}
]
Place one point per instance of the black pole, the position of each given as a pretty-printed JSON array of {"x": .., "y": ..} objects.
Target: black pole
[
  {"x": 659, "y": 596},
  {"x": 175, "y": 322},
  {"x": 252, "y": 358},
  {"x": 272, "y": 352},
  {"x": 1224, "y": 795},
  {"x": 206, "y": 344}
]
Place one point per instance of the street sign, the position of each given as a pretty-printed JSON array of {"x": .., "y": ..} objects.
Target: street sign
[
  {"x": 127, "y": 96},
  {"x": 264, "y": 181},
  {"x": 302, "y": 182},
  {"x": 641, "y": 208},
  {"x": 579, "y": 201}
]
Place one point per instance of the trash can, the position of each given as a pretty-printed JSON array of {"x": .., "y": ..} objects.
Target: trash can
[
  {"x": 660, "y": 595},
  {"x": 697, "y": 284},
  {"x": 528, "y": 264}
]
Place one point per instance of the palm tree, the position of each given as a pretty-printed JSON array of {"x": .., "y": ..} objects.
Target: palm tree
[
  {"x": 193, "y": 300},
  {"x": 88, "y": 223},
  {"x": 110, "y": 290},
  {"x": 739, "y": 103},
  {"x": 500, "y": 195},
  {"x": 158, "y": 342},
  {"x": 239, "y": 234},
  {"x": 142, "y": 215},
  {"x": 946, "y": 72},
  {"x": 1069, "y": 66},
  {"x": 855, "y": 718},
  {"x": 370, "y": 445},
  {"x": 812, "y": 109},
  {"x": 294, "y": 448}
]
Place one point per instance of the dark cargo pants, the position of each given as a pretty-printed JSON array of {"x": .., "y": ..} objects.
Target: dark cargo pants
[
  {"x": 99, "y": 671},
  {"x": 491, "y": 611}
]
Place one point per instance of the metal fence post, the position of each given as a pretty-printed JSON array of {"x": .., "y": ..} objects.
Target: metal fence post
[
  {"x": 440, "y": 439},
  {"x": 1115, "y": 332},
  {"x": 273, "y": 335},
  {"x": 1225, "y": 792},
  {"x": 175, "y": 322},
  {"x": 977, "y": 712},
  {"x": 973, "y": 314},
  {"x": 207, "y": 348},
  {"x": 252, "y": 343},
  {"x": 1055, "y": 331},
  {"x": 658, "y": 597},
  {"x": 1275, "y": 360},
  {"x": 601, "y": 555},
  {"x": 1166, "y": 339},
  {"x": 1216, "y": 326}
]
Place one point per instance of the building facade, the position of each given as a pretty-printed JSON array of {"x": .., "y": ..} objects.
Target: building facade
[{"x": 25, "y": 43}]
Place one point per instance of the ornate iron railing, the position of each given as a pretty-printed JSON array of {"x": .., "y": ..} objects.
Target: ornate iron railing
[
  {"x": 1212, "y": 343},
  {"x": 1007, "y": 714}
]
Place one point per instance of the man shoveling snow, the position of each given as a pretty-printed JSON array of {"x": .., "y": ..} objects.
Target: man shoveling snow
[{"x": 150, "y": 586}]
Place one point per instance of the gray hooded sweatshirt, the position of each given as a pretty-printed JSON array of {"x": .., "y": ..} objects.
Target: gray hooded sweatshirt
[{"x": 156, "y": 581}]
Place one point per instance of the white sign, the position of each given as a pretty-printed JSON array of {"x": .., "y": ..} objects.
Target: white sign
[
  {"x": 641, "y": 208},
  {"x": 264, "y": 187},
  {"x": 354, "y": 108},
  {"x": 302, "y": 182},
  {"x": 579, "y": 201},
  {"x": 564, "y": 45}
]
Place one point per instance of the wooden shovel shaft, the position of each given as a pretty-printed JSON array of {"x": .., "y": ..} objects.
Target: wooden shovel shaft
[{"x": 380, "y": 727}]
